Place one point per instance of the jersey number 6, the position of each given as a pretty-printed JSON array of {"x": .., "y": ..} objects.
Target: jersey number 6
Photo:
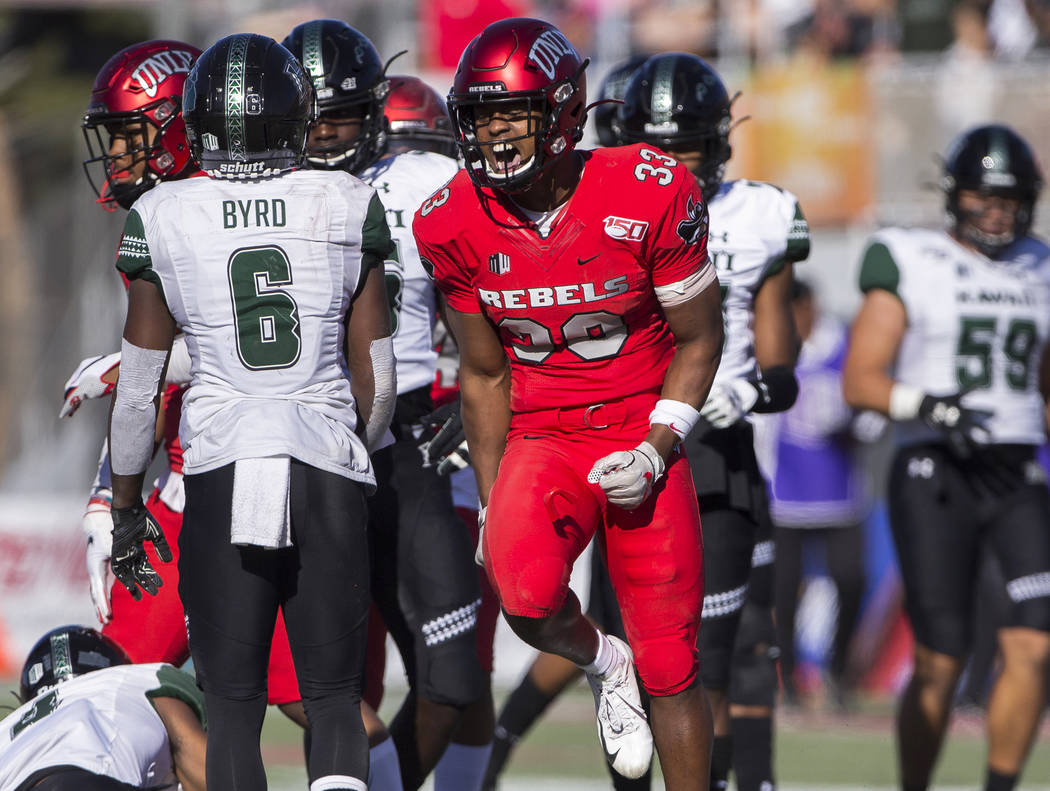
[{"x": 267, "y": 317}]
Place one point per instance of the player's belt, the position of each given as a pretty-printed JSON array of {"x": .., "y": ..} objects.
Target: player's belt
[{"x": 592, "y": 417}]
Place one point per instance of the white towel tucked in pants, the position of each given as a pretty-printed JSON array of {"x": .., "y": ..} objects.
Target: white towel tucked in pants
[{"x": 260, "y": 515}]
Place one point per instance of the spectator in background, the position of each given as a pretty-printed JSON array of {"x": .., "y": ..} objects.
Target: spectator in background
[
  {"x": 844, "y": 28},
  {"x": 967, "y": 62},
  {"x": 818, "y": 495}
]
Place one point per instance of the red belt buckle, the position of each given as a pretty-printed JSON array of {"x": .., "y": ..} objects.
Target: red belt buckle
[{"x": 587, "y": 417}]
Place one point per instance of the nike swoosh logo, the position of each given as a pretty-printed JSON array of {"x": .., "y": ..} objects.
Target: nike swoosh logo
[
  {"x": 531, "y": 436},
  {"x": 582, "y": 261}
]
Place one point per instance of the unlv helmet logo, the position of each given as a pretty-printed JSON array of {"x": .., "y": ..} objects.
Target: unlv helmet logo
[
  {"x": 694, "y": 227},
  {"x": 159, "y": 66},
  {"x": 499, "y": 263},
  {"x": 549, "y": 47}
]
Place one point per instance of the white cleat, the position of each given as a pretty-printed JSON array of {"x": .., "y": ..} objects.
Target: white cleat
[{"x": 622, "y": 725}]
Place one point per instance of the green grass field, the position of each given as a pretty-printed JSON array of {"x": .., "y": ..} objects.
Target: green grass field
[{"x": 813, "y": 750}]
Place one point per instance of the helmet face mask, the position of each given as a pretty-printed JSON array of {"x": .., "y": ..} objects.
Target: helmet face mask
[
  {"x": 526, "y": 68},
  {"x": 677, "y": 102},
  {"x": 247, "y": 106},
  {"x": 350, "y": 82},
  {"x": 65, "y": 653},
  {"x": 991, "y": 182},
  {"x": 137, "y": 98}
]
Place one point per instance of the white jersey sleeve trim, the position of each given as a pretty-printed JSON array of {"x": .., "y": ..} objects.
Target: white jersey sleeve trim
[{"x": 687, "y": 288}]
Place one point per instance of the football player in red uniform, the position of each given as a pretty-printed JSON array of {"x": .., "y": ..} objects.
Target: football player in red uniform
[{"x": 589, "y": 324}]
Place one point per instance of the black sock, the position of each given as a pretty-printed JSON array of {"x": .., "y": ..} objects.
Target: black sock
[
  {"x": 753, "y": 753},
  {"x": 523, "y": 707},
  {"x": 999, "y": 782},
  {"x": 721, "y": 762}
]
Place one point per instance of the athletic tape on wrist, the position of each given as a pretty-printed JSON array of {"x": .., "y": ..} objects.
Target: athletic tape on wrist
[
  {"x": 904, "y": 401},
  {"x": 384, "y": 375},
  {"x": 134, "y": 412},
  {"x": 676, "y": 415}
]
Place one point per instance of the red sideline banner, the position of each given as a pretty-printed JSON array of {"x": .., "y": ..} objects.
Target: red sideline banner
[{"x": 43, "y": 579}]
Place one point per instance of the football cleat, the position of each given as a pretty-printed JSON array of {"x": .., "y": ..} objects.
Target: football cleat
[{"x": 623, "y": 728}]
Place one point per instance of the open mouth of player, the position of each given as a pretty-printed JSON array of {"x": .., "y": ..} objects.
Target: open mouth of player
[
  {"x": 122, "y": 178},
  {"x": 506, "y": 161}
]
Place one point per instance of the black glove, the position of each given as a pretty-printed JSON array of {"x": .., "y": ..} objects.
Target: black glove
[
  {"x": 964, "y": 428},
  {"x": 132, "y": 528},
  {"x": 443, "y": 442}
]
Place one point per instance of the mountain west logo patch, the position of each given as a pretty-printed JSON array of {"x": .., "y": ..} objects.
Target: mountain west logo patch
[
  {"x": 693, "y": 228},
  {"x": 499, "y": 263}
]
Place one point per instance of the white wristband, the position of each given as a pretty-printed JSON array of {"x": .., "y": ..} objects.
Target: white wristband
[
  {"x": 904, "y": 401},
  {"x": 676, "y": 415}
]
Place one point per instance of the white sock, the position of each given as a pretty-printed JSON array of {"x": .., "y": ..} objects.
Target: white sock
[
  {"x": 462, "y": 767},
  {"x": 384, "y": 773},
  {"x": 603, "y": 660}
]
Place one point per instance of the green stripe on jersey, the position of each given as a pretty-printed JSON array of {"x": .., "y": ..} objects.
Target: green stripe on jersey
[
  {"x": 133, "y": 255},
  {"x": 173, "y": 683},
  {"x": 879, "y": 270},
  {"x": 376, "y": 244},
  {"x": 798, "y": 237}
]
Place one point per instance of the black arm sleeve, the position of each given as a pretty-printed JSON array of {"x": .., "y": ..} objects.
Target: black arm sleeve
[{"x": 777, "y": 389}]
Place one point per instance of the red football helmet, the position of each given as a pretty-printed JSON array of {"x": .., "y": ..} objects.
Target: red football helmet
[
  {"x": 136, "y": 95},
  {"x": 417, "y": 119},
  {"x": 516, "y": 61}
]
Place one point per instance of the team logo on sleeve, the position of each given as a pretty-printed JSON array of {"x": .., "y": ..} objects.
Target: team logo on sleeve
[
  {"x": 499, "y": 263},
  {"x": 692, "y": 229},
  {"x": 625, "y": 228}
]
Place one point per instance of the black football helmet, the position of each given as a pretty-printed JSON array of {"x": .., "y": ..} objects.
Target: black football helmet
[
  {"x": 613, "y": 87},
  {"x": 247, "y": 105},
  {"x": 64, "y": 653},
  {"x": 350, "y": 81},
  {"x": 993, "y": 160},
  {"x": 677, "y": 101}
]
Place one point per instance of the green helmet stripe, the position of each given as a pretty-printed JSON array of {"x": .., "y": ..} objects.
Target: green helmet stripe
[
  {"x": 663, "y": 84},
  {"x": 313, "y": 59},
  {"x": 61, "y": 659},
  {"x": 236, "y": 59}
]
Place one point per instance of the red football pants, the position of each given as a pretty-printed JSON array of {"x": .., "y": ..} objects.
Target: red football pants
[{"x": 542, "y": 512}]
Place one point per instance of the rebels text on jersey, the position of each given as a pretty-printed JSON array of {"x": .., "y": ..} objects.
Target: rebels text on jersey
[{"x": 576, "y": 312}]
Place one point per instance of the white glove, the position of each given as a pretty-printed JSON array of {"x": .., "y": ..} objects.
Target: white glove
[
  {"x": 479, "y": 556},
  {"x": 727, "y": 403},
  {"x": 87, "y": 382},
  {"x": 628, "y": 476},
  {"x": 98, "y": 524}
]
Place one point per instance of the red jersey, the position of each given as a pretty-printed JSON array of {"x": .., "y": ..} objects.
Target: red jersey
[{"x": 576, "y": 312}]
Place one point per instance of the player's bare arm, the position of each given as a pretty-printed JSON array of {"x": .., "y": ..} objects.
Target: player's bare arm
[
  {"x": 372, "y": 377},
  {"x": 484, "y": 386},
  {"x": 149, "y": 326},
  {"x": 874, "y": 341},
  {"x": 776, "y": 337},
  {"x": 697, "y": 329},
  {"x": 188, "y": 741}
]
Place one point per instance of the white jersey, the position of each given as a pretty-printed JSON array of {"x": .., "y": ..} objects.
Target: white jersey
[
  {"x": 103, "y": 721},
  {"x": 755, "y": 229},
  {"x": 259, "y": 276},
  {"x": 973, "y": 325},
  {"x": 403, "y": 182}
]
